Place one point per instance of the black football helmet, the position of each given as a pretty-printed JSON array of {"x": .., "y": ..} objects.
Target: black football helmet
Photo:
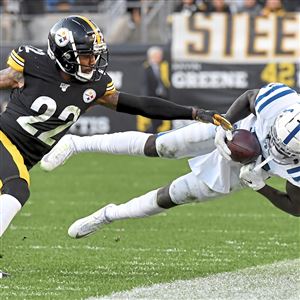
[{"x": 74, "y": 36}]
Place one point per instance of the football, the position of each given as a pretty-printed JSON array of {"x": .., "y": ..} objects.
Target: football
[{"x": 244, "y": 146}]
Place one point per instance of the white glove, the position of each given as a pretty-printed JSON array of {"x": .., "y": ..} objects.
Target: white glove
[
  {"x": 220, "y": 138},
  {"x": 253, "y": 177}
]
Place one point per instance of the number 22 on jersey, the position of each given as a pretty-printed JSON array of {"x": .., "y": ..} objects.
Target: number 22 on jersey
[{"x": 46, "y": 137}]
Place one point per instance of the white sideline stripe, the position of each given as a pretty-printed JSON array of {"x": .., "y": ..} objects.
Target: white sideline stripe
[{"x": 276, "y": 281}]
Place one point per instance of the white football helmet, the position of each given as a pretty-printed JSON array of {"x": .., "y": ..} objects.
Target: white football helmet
[{"x": 285, "y": 136}]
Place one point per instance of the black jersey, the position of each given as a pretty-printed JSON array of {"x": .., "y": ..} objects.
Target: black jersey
[{"x": 41, "y": 112}]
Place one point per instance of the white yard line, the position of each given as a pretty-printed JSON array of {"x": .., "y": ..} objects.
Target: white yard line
[{"x": 278, "y": 281}]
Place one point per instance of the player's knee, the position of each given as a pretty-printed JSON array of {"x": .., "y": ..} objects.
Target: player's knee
[
  {"x": 150, "y": 146},
  {"x": 17, "y": 188},
  {"x": 189, "y": 188},
  {"x": 163, "y": 198}
]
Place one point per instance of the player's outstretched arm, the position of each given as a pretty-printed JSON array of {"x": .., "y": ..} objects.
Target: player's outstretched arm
[
  {"x": 255, "y": 178},
  {"x": 157, "y": 108},
  {"x": 242, "y": 107},
  {"x": 288, "y": 202},
  {"x": 10, "y": 79}
]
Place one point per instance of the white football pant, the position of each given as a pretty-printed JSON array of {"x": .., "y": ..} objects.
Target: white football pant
[{"x": 189, "y": 141}]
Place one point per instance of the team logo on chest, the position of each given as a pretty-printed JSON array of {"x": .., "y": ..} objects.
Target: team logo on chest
[
  {"x": 62, "y": 37},
  {"x": 89, "y": 95}
]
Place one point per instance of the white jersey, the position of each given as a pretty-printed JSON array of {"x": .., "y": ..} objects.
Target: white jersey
[{"x": 223, "y": 176}]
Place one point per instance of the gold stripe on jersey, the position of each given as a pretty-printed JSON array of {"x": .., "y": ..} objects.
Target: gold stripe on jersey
[
  {"x": 16, "y": 155},
  {"x": 98, "y": 37},
  {"x": 14, "y": 62},
  {"x": 14, "y": 65},
  {"x": 110, "y": 89},
  {"x": 1, "y": 184},
  {"x": 18, "y": 57}
]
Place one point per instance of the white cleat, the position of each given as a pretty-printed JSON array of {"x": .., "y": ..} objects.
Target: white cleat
[
  {"x": 90, "y": 224},
  {"x": 59, "y": 154},
  {"x": 3, "y": 274}
]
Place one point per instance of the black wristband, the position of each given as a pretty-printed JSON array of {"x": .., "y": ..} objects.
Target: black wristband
[{"x": 152, "y": 107}]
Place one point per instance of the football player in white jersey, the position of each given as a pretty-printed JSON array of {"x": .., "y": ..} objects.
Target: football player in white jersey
[{"x": 272, "y": 112}]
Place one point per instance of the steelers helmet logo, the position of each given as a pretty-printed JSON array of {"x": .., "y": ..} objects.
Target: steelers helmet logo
[
  {"x": 89, "y": 95},
  {"x": 62, "y": 37}
]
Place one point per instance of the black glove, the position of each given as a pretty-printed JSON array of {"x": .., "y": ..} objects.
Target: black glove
[{"x": 213, "y": 117}]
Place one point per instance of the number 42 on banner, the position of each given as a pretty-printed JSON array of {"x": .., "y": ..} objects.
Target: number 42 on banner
[{"x": 282, "y": 72}]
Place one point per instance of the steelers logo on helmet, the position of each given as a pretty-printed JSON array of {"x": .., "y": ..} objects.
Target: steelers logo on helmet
[
  {"x": 89, "y": 95},
  {"x": 62, "y": 37}
]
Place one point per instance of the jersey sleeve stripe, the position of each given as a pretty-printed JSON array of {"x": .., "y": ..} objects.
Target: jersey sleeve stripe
[
  {"x": 292, "y": 134},
  {"x": 293, "y": 170},
  {"x": 110, "y": 88},
  {"x": 17, "y": 60},
  {"x": 12, "y": 63},
  {"x": 268, "y": 93},
  {"x": 17, "y": 56},
  {"x": 16, "y": 155},
  {"x": 275, "y": 97}
]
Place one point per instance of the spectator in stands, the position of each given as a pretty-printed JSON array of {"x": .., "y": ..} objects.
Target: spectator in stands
[
  {"x": 10, "y": 11},
  {"x": 60, "y": 5},
  {"x": 92, "y": 6},
  {"x": 273, "y": 6},
  {"x": 252, "y": 7},
  {"x": 188, "y": 7},
  {"x": 134, "y": 9},
  {"x": 214, "y": 6},
  {"x": 156, "y": 80},
  {"x": 29, "y": 9},
  {"x": 291, "y": 5}
]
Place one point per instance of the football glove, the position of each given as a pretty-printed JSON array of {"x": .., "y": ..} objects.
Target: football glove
[
  {"x": 253, "y": 177},
  {"x": 212, "y": 116},
  {"x": 220, "y": 142}
]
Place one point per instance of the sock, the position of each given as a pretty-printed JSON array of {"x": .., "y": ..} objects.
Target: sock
[
  {"x": 9, "y": 207},
  {"x": 143, "y": 206},
  {"x": 131, "y": 142}
]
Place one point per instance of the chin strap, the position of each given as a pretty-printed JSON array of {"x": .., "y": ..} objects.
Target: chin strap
[{"x": 263, "y": 163}]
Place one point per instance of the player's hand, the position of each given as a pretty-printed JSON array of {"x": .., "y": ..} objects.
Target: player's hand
[
  {"x": 213, "y": 117},
  {"x": 253, "y": 177},
  {"x": 220, "y": 142}
]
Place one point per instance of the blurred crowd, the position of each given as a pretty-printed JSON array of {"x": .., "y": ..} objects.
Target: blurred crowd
[
  {"x": 47, "y": 6},
  {"x": 263, "y": 7},
  {"x": 256, "y": 7}
]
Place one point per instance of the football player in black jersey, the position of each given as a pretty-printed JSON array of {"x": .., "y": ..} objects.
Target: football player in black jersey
[{"x": 50, "y": 90}]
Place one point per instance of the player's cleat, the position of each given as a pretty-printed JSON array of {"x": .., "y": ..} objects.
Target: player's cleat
[
  {"x": 59, "y": 154},
  {"x": 3, "y": 274},
  {"x": 88, "y": 225}
]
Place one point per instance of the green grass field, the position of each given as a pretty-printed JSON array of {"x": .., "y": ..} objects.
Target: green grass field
[{"x": 191, "y": 241}]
